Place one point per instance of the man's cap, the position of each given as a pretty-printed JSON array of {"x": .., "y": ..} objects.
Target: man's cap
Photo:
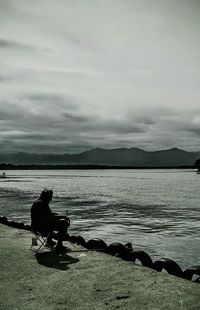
[{"x": 46, "y": 193}]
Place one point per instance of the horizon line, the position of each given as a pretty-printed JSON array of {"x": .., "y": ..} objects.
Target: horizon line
[{"x": 99, "y": 148}]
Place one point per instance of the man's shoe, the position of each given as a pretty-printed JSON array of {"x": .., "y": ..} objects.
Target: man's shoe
[{"x": 50, "y": 243}]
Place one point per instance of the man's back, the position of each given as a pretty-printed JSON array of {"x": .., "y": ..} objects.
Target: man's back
[{"x": 41, "y": 214}]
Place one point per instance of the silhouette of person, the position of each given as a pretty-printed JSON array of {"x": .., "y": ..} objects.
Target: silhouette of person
[{"x": 46, "y": 221}]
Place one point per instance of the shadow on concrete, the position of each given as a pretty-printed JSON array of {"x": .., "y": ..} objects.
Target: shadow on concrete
[{"x": 54, "y": 260}]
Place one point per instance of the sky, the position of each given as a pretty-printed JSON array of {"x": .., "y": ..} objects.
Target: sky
[{"x": 80, "y": 74}]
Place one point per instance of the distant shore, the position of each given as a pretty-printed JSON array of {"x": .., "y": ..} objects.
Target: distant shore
[{"x": 84, "y": 167}]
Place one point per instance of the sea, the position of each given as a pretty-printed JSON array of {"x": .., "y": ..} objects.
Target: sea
[{"x": 156, "y": 210}]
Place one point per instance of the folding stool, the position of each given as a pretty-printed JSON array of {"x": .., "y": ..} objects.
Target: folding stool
[{"x": 41, "y": 238}]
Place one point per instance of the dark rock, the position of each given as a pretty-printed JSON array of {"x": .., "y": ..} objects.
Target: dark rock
[
  {"x": 169, "y": 265},
  {"x": 4, "y": 220},
  {"x": 143, "y": 257},
  {"x": 96, "y": 244},
  {"x": 118, "y": 249},
  {"x": 80, "y": 241},
  {"x": 188, "y": 273},
  {"x": 27, "y": 227},
  {"x": 74, "y": 239}
]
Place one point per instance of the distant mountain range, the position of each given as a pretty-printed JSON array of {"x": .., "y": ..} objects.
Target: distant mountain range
[{"x": 113, "y": 157}]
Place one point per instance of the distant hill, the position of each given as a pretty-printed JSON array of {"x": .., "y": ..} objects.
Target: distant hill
[{"x": 113, "y": 157}]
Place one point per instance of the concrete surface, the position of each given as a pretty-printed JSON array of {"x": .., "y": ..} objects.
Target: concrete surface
[{"x": 83, "y": 280}]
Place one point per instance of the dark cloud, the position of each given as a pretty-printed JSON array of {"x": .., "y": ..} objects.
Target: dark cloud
[
  {"x": 10, "y": 111},
  {"x": 123, "y": 127},
  {"x": 64, "y": 102},
  {"x": 76, "y": 118},
  {"x": 69, "y": 131},
  {"x": 77, "y": 76},
  {"x": 14, "y": 45},
  {"x": 3, "y": 79},
  {"x": 195, "y": 131},
  {"x": 49, "y": 124}
]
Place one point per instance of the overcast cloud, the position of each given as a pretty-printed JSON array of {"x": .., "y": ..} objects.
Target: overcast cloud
[{"x": 99, "y": 73}]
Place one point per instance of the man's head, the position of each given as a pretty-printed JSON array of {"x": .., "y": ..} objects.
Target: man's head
[{"x": 46, "y": 195}]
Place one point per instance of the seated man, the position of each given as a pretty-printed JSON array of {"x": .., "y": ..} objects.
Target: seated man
[{"x": 45, "y": 221}]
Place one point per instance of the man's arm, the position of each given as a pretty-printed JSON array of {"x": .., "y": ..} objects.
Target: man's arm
[{"x": 62, "y": 217}]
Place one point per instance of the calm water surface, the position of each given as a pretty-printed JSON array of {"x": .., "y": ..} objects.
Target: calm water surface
[{"x": 156, "y": 210}]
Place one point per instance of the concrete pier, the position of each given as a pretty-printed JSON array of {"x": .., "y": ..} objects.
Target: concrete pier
[{"x": 83, "y": 279}]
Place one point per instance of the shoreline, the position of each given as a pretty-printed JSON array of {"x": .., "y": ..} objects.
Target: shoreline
[
  {"x": 124, "y": 251},
  {"x": 85, "y": 167},
  {"x": 84, "y": 280}
]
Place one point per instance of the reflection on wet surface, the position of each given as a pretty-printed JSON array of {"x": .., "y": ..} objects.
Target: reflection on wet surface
[{"x": 158, "y": 210}]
